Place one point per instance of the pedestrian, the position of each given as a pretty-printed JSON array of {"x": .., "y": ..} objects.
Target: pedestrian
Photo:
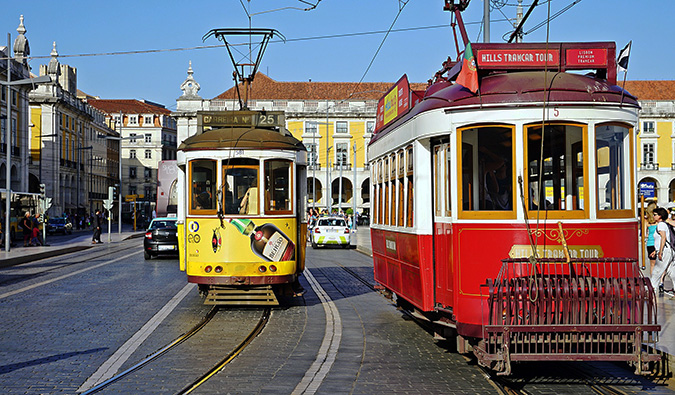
[
  {"x": 37, "y": 236},
  {"x": 27, "y": 228},
  {"x": 664, "y": 250},
  {"x": 98, "y": 222}
]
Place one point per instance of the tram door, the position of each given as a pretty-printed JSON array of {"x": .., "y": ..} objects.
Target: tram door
[{"x": 443, "y": 246}]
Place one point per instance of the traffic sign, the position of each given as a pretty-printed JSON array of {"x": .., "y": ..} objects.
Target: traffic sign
[
  {"x": 108, "y": 203},
  {"x": 130, "y": 198}
]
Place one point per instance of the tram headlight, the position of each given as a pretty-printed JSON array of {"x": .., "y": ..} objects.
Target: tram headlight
[
  {"x": 262, "y": 269},
  {"x": 273, "y": 268},
  {"x": 208, "y": 269},
  {"x": 219, "y": 269}
]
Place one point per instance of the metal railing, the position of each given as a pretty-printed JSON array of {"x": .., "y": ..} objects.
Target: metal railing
[{"x": 587, "y": 309}]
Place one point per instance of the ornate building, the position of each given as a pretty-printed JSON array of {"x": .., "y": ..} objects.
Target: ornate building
[
  {"x": 656, "y": 138},
  {"x": 18, "y": 119},
  {"x": 148, "y": 136},
  {"x": 66, "y": 152},
  {"x": 335, "y": 121}
]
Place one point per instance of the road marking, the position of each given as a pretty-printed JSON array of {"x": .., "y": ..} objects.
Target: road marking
[
  {"x": 115, "y": 362},
  {"x": 329, "y": 347},
  {"x": 28, "y": 288}
]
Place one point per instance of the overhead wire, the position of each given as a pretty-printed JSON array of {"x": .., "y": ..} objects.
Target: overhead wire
[{"x": 201, "y": 47}]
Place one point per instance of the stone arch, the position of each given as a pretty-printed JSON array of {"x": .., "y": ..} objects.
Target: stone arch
[
  {"x": 33, "y": 183},
  {"x": 311, "y": 182},
  {"x": 365, "y": 190},
  {"x": 347, "y": 191},
  {"x": 16, "y": 182}
]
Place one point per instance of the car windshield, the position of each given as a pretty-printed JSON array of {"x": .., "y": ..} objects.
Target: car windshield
[
  {"x": 332, "y": 222},
  {"x": 162, "y": 224},
  {"x": 57, "y": 221}
]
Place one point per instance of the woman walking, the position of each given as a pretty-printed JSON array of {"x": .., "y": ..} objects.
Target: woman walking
[{"x": 664, "y": 250}]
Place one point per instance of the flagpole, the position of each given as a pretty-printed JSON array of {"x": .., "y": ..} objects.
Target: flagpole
[{"x": 623, "y": 87}]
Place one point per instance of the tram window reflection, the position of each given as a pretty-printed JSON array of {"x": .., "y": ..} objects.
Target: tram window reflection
[
  {"x": 203, "y": 181},
  {"x": 277, "y": 186},
  {"x": 240, "y": 186},
  {"x": 557, "y": 181},
  {"x": 487, "y": 171},
  {"x": 612, "y": 155}
]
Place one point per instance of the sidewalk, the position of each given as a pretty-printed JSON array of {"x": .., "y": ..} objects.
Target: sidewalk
[
  {"x": 81, "y": 240},
  {"x": 665, "y": 306}
]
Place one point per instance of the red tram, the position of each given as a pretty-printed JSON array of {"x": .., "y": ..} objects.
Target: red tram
[{"x": 523, "y": 244}]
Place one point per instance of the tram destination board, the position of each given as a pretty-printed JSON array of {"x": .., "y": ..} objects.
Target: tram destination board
[{"x": 222, "y": 119}]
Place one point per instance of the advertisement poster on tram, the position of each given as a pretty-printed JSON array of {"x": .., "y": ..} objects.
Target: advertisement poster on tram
[{"x": 244, "y": 240}]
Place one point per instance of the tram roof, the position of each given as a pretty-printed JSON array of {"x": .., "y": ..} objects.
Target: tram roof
[
  {"x": 243, "y": 138},
  {"x": 518, "y": 89}
]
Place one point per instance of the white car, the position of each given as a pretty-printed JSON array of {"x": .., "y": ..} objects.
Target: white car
[{"x": 330, "y": 231}]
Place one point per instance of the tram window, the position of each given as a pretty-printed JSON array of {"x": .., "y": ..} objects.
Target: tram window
[
  {"x": 240, "y": 186},
  {"x": 438, "y": 180},
  {"x": 448, "y": 184},
  {"x": 411, "y": 202},
  {"x": 392, "y": 183},
  {"x": 613, "y": 158},
  {"x": 278, "y": 186},
  {"x": 385, "y": 200},
  {"x": 203, "y": 182},
  {"x": 401, "y": 184},
  {"x": 487, "y": 171},
  {"x": 558, "y": 181},
  {"x": 410, "y": 206}
]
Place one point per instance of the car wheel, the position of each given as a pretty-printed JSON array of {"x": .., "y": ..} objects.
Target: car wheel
[
  {"x": 345, "y": 246},
  {"x": 314, "y": 245},
  {"x": 147, "y": 255}
]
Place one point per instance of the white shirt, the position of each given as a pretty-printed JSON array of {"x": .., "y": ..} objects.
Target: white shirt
[{"x": 661, "y": 226}]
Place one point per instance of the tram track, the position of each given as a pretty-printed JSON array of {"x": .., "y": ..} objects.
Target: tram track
[
  {"x": 507, "y": 385},
  {"x": 54, "y": 265},
  {"x": 155, "y": 356}
]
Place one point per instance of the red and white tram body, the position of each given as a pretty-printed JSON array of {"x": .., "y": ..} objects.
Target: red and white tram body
[{"x": 461, "y": 181}]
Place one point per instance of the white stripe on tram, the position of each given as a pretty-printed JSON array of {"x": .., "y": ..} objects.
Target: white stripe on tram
[{"x": 329, "y": 347}]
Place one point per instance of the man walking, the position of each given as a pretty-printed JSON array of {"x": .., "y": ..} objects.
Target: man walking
[{"x": 98, "y": 222}]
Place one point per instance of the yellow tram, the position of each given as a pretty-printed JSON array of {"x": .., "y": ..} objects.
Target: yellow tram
[{"x": 241, "y": 222}]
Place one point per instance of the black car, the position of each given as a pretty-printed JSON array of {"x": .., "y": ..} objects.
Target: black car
[
  {"x": 161, "y": 238},
  {"x": 59, "y": 225}
]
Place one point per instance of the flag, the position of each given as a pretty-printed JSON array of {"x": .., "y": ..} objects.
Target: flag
[
  {"x": 468, "y": 76},
  {"x": 622, "y": 60}
]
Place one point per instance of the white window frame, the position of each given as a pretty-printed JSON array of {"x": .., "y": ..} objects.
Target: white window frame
[{"x": 645, "y": 153}]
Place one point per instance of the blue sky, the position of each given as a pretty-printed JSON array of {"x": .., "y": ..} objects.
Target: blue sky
[{"x": 95, "y": 27}]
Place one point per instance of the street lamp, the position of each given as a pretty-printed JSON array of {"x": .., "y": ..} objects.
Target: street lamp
[{"x": 8, "y": 137}]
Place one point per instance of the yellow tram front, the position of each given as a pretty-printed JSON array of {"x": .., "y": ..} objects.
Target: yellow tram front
[{"x": 241, "y": 211}]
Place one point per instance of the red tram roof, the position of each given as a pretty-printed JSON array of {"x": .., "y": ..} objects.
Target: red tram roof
[{"x": 525, "y": 75}]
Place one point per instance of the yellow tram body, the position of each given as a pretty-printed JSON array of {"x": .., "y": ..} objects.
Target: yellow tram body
[{"x": 242, "y": 196}]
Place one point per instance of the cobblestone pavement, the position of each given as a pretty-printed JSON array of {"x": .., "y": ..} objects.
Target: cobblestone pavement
[{"x": 65, "y": 317}]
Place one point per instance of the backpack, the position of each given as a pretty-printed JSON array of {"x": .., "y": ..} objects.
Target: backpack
[{"x": 671, "y": 235}]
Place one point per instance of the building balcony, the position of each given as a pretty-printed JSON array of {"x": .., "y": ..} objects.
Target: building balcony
[
  {"x": 650, "y": 166},
  {"x": 339, "y": 166}
]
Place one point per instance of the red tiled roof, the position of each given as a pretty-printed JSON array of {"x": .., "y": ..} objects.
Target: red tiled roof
[
  {"x": 127, "y": 106},
  {"x": 651, "y": 90},
  {"x": 263, "y": 87}
]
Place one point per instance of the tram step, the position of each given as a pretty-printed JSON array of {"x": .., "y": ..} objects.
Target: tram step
[{"x": 236, "y": 296}]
